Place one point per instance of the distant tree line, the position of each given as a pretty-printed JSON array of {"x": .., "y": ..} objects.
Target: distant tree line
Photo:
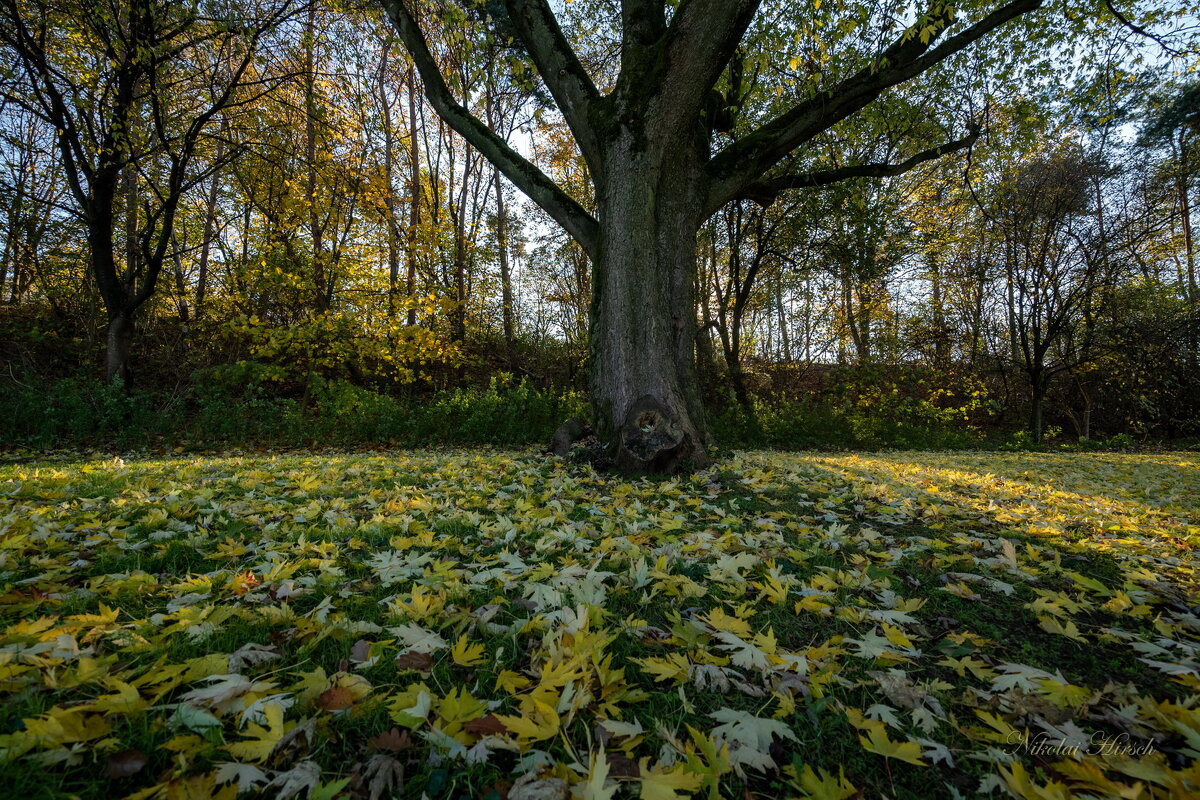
[{"x": 260, "y": 195}]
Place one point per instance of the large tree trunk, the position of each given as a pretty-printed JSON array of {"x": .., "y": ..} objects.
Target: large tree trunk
[
  {"x": 322, "y": 284},
  {"x": 643, "y": 388}
]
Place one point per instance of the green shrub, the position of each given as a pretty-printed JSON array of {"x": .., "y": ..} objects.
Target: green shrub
[{"x": 47, "y": 413}]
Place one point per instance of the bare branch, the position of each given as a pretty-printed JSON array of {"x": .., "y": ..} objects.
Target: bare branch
[
  {"x": 699, "y": 42},
  {"x": 527, "y": 177},
  {"x": 765, "y": 192},
  {"x": 746, "y": 160},
  {"x": 559, "y": 67},
  {"x": 1140, "y": 31}
]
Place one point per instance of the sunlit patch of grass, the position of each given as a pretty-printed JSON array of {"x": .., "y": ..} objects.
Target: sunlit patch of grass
[{"x": 1045, "y": 589}]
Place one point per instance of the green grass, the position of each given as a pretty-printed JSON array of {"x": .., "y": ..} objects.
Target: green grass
[{"x": 546, "y": 566}]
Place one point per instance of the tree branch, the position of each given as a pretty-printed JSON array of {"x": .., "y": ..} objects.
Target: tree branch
[
  {"x": 524, "y": 175},
  {"x": 746, "y": 160},
  {"x": 564, "y": 76},
  {"x": 765, "y": 192},
  {"x": 643, "y": 22},
  {"x": 700, "y": 40},
  {"x": 1139, "y": 30}
]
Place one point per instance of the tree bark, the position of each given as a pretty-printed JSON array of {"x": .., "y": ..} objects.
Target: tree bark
[
  {"x": 393, "y": 232},
  {"x": 322, "y": 284},
  {"x": 116, "y": 358},
  {"x": 1037, "y": 390},
  {"x": 210, "y": 224},
  {"x": 414, "y": 190},
  {"x": 644, "y": 394}
]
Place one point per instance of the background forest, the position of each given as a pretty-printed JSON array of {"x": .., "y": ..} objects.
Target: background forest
[{"x": 306, "y": 253}]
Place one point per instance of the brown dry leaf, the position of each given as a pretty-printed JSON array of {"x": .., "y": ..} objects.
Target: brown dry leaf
[
  {"x": 384, "y": 776},
  {"x": 299, "y": 781},
  {"x": 393, "y": 741},
  {"x": 411, "y": 659},
  {"x": 125, "y": 763},
  {"x": 622, "y": 766},
  {"x": 485, "y": 726},
  {"x": 339, "y": 698},
  {"x": 530, "y": 787},
  {"x": 294, "y": 744}
]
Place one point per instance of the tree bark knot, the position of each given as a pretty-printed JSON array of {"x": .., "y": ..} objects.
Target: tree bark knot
[{"x": 651, "y": 439}]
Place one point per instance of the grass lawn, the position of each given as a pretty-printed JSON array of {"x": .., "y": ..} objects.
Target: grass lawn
[{"x": 490, "y": 625}]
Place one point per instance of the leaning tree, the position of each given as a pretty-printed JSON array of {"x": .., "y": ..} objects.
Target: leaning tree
[
  {"x": 658, "y": 172},
  {"x": 134, "y": 91}
]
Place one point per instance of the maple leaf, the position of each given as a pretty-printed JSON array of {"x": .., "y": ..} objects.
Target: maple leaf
[
  {"x": 414, "y": 660},
  {"x": 539, "y": 721},
  {"x": 1052, "y": 625},
  {"x": 877, "y": 741},
  {"x": 418, "y": 639},
  {"x": 822, "y": 785},
  {"x": 246, "y": 776},
  {"x": 742, "y": 653},
  {"x": 530, "y": 787},
  {"x": 412, "y": 707},
  {"x": 394, "y": 740},
  {"x": 384, "y": 777},
  {"x": 485, "y": 726},
  {"x": 226, "y": 692},
  {"x": 299, "y": 781},
  {"x": 593, "y": 786},
  {"x": 337, "y": 698},
  {"x": 261, "y": 740},
  {"x": 465, "y": 654},
  {"x": 748, "y": 737},
  {"x": 59, "y": 727},
  {"x": 663, "y": 783},
  {"x": 673, "y": 667},
  {"x": 511, "y": 682}
]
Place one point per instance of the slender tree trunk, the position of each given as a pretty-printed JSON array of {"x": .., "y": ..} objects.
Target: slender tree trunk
[
  {"x": 733, "y": 359},
  {"x": 180, "y": 287},
  {"x": 458, "y": 332},
  {"x": 210, "y": 224},
  {"x": 322, "y": 287},
  {"x": 1037, "y": 397},
  {"x": 393, "y": 244},
  {"x": 1185, "y": 218},
  {"x": 506, "y": 290},
  {"x": 133, "y": 255},
  {"x": 785, "y": 338},
  {"x": 940, "y": 355},
  {"x": 643, "y": 388},
  {"x": 15, "y": 223},
  {"x": 414, "y": 191}
]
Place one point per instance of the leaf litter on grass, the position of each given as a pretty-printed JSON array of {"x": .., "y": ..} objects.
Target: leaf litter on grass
[{"x": 492, "y": 624}]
